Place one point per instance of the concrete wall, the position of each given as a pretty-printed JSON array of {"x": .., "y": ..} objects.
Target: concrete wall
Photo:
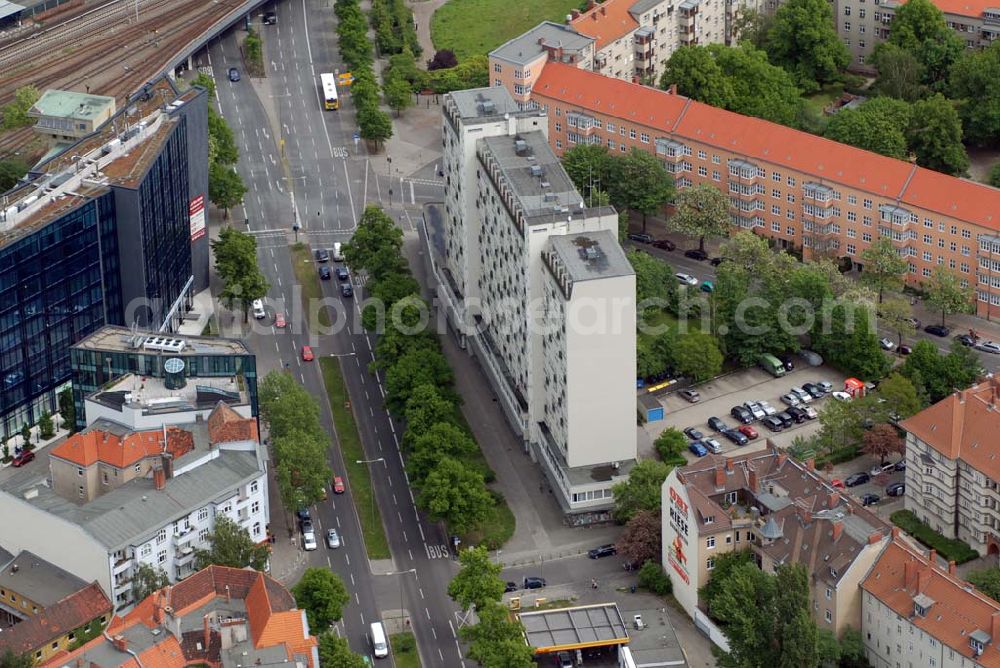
[{"x": 195, "y": 113}]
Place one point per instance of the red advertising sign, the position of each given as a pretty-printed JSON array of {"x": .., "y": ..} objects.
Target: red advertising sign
[{"x": 196, "y": 214}]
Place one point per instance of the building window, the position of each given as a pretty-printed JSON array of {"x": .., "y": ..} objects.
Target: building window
[
  {"x": 847, "y": 26},
  {"x": 866, "y": 236},
  {"x": 146, "y": 550},
  {"x": 867, "y": 203},
  {"x": 644, "y": 138},
  {"x": 161, "y": 536},
  {"x": 861, "y": 12},
  {"x": 631, "y": 133},
  {"x": 79, "y": 471},
  {"x": 203, "y": 513},
  {"x": 80, "y": 491},
  {"x": 496, "y": 67},
  {"x": 715, "y": 159},
  {"x": 847, "y": 11},
  {"x": 256, "y": 528},
  {"x": 828, "y": 616},
  {"x": 716, "y": 176},
  {"x": 852, "y": 216},
  {"x": 558, "y": 127},
  {"x": 161, "y": 556},
  {"x": 611, "y": 126},
  {"x": 851, "y": 249},
  {"x": 775, "y": 176},
  {"x": 702, "y": 170},
  {"x": 104, "y": 478},
  {"x": 709, "y": 564},
  {"x": 138, "y": 467},
  {"x": 255, "y": 507},
  {"x": 710, "y": 542},
  {"x": 829, "y": 593}
]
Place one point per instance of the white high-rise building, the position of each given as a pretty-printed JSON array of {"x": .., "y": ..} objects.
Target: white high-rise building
[{"x": 540, "y": 291}]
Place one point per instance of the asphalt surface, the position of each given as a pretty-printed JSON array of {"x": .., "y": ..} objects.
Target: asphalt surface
[{"x": 304, "y": 159}]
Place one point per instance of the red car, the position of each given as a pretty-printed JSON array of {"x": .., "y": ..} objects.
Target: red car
[
  {"x": 23, "y": 458},
  {"x": 338, "y": 485},
  {"x": 307, "y": 354},
  {"x": 279, "y": 320},
  {"x": 747, "y": 431},
  {"x": 838, "y": 483}
]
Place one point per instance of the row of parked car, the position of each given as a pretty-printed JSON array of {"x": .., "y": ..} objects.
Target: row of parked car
[{"x": 864, "y": 477}]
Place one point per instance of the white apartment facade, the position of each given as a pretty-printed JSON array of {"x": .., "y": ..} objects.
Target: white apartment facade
[{"x": 507, "y": 197}]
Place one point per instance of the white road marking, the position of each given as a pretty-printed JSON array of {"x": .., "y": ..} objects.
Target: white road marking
[
  {"x": 434, "y": 631},
  {"x": 421, "y": 590},
  {"x": 452, "y": 627}
]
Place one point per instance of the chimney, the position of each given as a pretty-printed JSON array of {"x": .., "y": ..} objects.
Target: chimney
[
  {"x": 951, "y": 567},
  {"x": 720, "y": 477},
  {"x": 838, "y": 528},
  {"x": 909, "y": 572},
  {"x": 874, "y": 537},
  {"x": 672, "y": 90},
  {"x": 574, "y": 14},
  {"x": 591, "y": 4},
  {"x": 932, "y": 557},
  {"x": 995, "y": 626},
  {"x": 806, "y": 515},
  {"x": 895, "y": 532},
  {"x": 729, "y": 465},
  {"x": 79, "y": 662},
  {"x": 811, "y": 464},
  {"x": 120, "y": 643},
  {"x": 157, "y": 610},
  {"x": 207, "y": 632},
  {"x": 782, "y": 456},
  {"x": 752, "y": 481},
  {"x": 168, "y": 465},
  {"x": 834, "y": 500},
  {"x": 923, "y": 579},
  {"x": 594, "y": 16},
  {"x": 228, "y": 595},
  {"x": 159, "y": 478},
  {"x": 604, "y": 10}
]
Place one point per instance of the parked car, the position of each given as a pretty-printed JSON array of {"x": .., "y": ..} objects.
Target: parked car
[
  {"x": 810, "y": 412},
  {"x": 716, "y": 261},
  {"x": 691, "y": 395},
  {"x": 786, "y": 361},
  {"x": 886, "y": 343},
  {"x": 694, "y": 434},
  {"x": 767, "y": 408},
  {"x": 888, "y": 467},
  {"x": 307, "y": 526},
  {"x": 303, "y": 514},
  {"x": 279, "y": 320},
  {"x": 900, "y": 465},
  {"x": 736, "y": 436},
  {"x": 697, "y": 449},
  {"x": 915, "y": 322},
  {"x": 332, "y": 539},
  {"x": 742, "y": 414},
  {"x": 716, "y": 424},
  {"x": 707, "y": 286},
  {"x": 747, "y": 431},
  {"x": 812, "y": 358},
  {"x": 825, "y": 385},
  {"x": 712, "y": 445},
  {"x": 790, "y": 399},
  {"x": 841, "y": 396},
  {"x": 258, "y": 309},
  {"x": 904, "y": 350},
  {"x": 664, "y": 244},
  {"x": 509, "y": 587},
  {"x": 324, "y": 273},
  {"x": 837, "y": 483},
  {"x": 755, "y": 409},
  {"x": 641, "y": 237},
  {"x": 23, "y": 458},
  {"x": 966, "y": 339},
  {"x": 896, "y": 489},
  {"x": 786, "y": 419},
  {"x": 532, "y": 582},
  {"x": 234, "y": 74},
  {"x": 696, "y": 254},
  {"x": 307, "y": 354},
  {"x": 856, "y": 479},
  {"x": 346, "y": 290},
  {"x": 269, "y": 18},
  {"x": 802, "y": 394},
  {"x": 338, "y": 485},
  {"x": 602, "y": 551},
  {"x": 342, "y": 274},
  {"x": 989, "y": 347},
  {"x": 686, "y": 279},
  {"x": 798, "y": 413},
  {"x": 773, "y": 423},
  {"x": 937, "y": 330},
  {"x": 309, "y": 541},
  {"x": 814, "y": 390},
  {"x": 869, "y": 499},
  {"x": 322, "y": 255},
  {"x": 564, "y": 660}
]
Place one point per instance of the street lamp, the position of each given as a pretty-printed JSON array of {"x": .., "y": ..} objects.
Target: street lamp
[
  {"x": 372, "y": 498},
  {"x": 402, "y": 617}
]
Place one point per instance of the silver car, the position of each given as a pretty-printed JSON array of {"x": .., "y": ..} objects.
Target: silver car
[
  {"x": 712, "y": 445},
  {"x": 989, "y": 347},
  {"x": 332, "y": 539},
  {"x": 804, "y": 397},
  {"x": 790, "y": 399},
  {"x": 755, "y": 409},
  {"x": 767, "y": 408}
]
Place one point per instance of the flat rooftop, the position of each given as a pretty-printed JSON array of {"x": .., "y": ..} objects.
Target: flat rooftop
[
  {"x": 153, "y": 396},
  {"x": 72, "y": 105},
  {"x": 591, "y": 255},
  {"x": 8, "y": 9},
  {"x": 573, "y": 628},
  {"x": 525, "y": 48},
  {"x": 486, "y": 104},
  {"x": 656, "y": 644},
  {"x": 121, "y": 339},
  {"x": 128, "y": 170},
  {"x": 31, "y": 576}
]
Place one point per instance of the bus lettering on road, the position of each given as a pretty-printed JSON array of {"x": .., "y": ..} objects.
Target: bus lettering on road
[
  {"x": 340, "y": 152},
  {"x": 437, "y": 551}
]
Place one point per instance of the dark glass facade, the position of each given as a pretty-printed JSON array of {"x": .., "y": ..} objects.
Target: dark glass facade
[{"x": 56, "y": 286}]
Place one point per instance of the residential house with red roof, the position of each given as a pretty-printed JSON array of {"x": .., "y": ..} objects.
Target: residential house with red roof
[
  {"x": 219, "y": 617},
  {"x": 915, "y": 612},
  {"x": 953, "y": 466},
  {"x": 70, "y": 621},
  {"x": 807, "y": 193}
]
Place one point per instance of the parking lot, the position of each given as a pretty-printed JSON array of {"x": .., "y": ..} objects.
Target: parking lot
[{"x": 718, "y": 397}]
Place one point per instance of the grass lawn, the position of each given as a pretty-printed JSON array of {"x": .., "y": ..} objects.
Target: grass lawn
[
  {"x": 949, "y": 548},
  {"x": 818, "y": 101},
  {"x": 475, "y": 27},
  {"x": 495, "y": 530},
  {"x": 404, "y": 650},
  {"x": 308, "y": 279},
  {"x": 358, "y": 475}
]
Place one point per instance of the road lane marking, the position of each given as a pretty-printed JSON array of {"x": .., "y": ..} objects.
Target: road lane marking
[
  {"x": 434, "y": 631},
  {"x": 352, "y": 579},
  {"x": 452, "y": 627},
  {"x": 405, "y": 539},
  {"x": 394, "y": 500},
  {"x": 420, "y": 526},
  {"x": 421, "y": 590}
]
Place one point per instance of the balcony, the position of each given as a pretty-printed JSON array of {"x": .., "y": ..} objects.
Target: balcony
[
  {"x": 185, "y": 537},
  {"x": 901, "y": 240},
  {"x": 184, "y": 556},
  {"x": 743, "y": 170},
  {"x": 671, "y": 150},
  {"x": 897, "y": 216},
  {"x": 745, "y": 191},
  {"x": 820, "y": 194},
  {"x": 122, "y": 565},
  {"x": 584, "y": 124}
]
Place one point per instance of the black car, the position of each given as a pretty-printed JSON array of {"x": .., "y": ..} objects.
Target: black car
[
  {"x": 896, "y": 489},
  {"x": 814, "y": 390},
  {"x": 797, "y": 414},
  {"x": 736, "y": 437},
  {"x": 870, "y": 499},
  {"x": 742, "y": 414},
  {"x": 716, "y": 261},
  {"x": 269, "y": 18},
  {"x": 665, "y": 244},
  {"x": 716, "y": 424},
  {"x": 342, "y": 274},
  {"x": 509, "y": 587},
  {"x": 324, "y": 273},
  {"x": 856, "y": 479},
  {"x": 786, "y": 419},
  {"x": 534, "y": 582},
  {"x": 900, "y": 465},
  {"x": 693, "y": 434},
  {"x": 234, "y": 74},
  {"x": 303, "y": 513},
  {"x": 773, "y": 423},
  {"x": 641, "y": 238},
  {"x": 307, "y": 526},
  {"x": 904, "y": 350},
  {"x": 786, "y": 361},
  {"x": 346, "y": 290},
  {"x": 322, "y": 255},
  {"x": 937, "y": 330},
  {"x": 602, "y": 551},
  {"x": 696, "y": 254},
  {"x": 966, "y": 340}
]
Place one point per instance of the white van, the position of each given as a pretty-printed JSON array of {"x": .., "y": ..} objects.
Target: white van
[
  {"x": 338, "y": 256},
  {"x": 379, "y": 643}
]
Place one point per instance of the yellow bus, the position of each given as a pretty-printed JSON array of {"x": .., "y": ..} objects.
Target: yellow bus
[{"x": 330, "y": 99}]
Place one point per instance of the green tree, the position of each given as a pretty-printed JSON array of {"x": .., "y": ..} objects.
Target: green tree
[
  {"x": 896, "y": 314},
  {"x": 641, "y": 540},
  {"x": 26, "y": 436},
  {"x": 751, "y": 26},
  {"x": 852, "y": 649},
  {"x": 935, "y": 136},
  {"x": 759, "y": 88},
  {"x": 398, "y": 95},
  {"x": 441, "y": 440},
  {"x": 695, "y": 72},
  {"x": 900, "y": 395},
  {"x": 986, "y": 580},
  {"x": 698, "y": 356},
  {"x": 900, "y": 74},
  {"x": 974, "y": 82},
  {"x": 641, "y": 491},
  {"x": 205, "y": 81},
  {"x": 67, "y": 409},
  {"x": 146, "y": 580},
  {"x": 884, "y": 268},
  {"x": 375, "y": 126},
  {"x": 457, "y": 494},
  {"x": 641, "y": 183},
  {"x": 11, "y": 171},
  {"x": 236, "y": 264},
  {"x": 46, "y": 429},
  {"x": 426, "y": 409},
  {"x": 994, "y": 177},
  {"x": 934, "y": 375},
  {"x": 946, "y": 293},
  {"x": 416, "y": 367},
  {"x": 920, "y": 28},
  {"x": 670, "y": 445},
  {"x": 286, "y": 405},
  {"x": 322, "y": 595},
  {"x": 15, "y": 113},
  {"x": 803, "y": 40},
  {"x": 725, "y": 564},
  {"x": 254, "y": 50},
  {"x": 654, "y": 579},
  {"x": 878, "y": 125},
  {"x": 231, "y": 545},
  {"x": 376, "y": 235},
  {"x": 334, "y": 652},
  {"x": 497, "y": 641},
  {"x": 851, "y": 340},
  {"x": 591, "y": 168},
  {"x": 301, "y": 471},
  {"x": 702, "y": 210},
  {"x": 655, "y": 285},
  {"x": 477, "y": 582},
  {"x": 10, "y": 659},
  {"x": 219, "y": 132},
  {"x": 225, "y": 187}
]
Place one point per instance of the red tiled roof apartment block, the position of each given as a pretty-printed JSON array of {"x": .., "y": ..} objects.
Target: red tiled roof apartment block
[
  {"x": 953, "y": 466},
  {"x": 220, "y": 617},
  {"x": 918, "y": 613},
  {"x": 785, "y": 513},
  {"x": 54, "y": 629},
  {"x": 804, "y": 192}
]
